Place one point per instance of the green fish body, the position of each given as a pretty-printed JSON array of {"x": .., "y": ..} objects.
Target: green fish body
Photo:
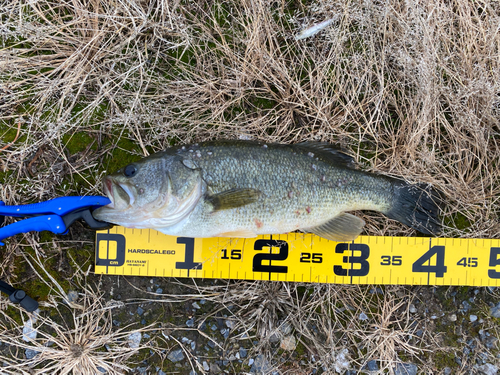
[{"x": 246, "y": 188}]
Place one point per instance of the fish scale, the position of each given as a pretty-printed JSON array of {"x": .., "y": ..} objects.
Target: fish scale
[
  {"x": 274, "y": 171},
  {"x": 246, "y": 188}
]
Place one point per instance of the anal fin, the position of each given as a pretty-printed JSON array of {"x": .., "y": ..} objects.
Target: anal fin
[
  {"x": 344, "y": 227},
  {"x": 242, "y": 233}
]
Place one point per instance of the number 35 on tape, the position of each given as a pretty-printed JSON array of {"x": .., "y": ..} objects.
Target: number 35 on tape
[{"x": 302, "y": 258}]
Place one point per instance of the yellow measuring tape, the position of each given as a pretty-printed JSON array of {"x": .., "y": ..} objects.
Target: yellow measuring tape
[{"x": 301, "y": 257}]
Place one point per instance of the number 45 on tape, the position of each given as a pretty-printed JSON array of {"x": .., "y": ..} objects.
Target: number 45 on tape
[{"x": 301, "y": 257}]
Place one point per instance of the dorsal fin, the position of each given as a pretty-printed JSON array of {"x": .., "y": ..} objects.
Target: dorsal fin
[{"x": 326, "y": 151}]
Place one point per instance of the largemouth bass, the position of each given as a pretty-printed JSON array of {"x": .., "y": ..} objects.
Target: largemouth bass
[{"x": 246, "y": 188}]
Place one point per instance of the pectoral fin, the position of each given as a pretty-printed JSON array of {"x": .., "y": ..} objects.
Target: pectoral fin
[
  {"x": 233, "y": 198},
  {"x": 345, "y": 227}
]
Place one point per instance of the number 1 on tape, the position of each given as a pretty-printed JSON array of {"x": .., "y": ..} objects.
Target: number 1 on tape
[{"x": 301, "y": 257}]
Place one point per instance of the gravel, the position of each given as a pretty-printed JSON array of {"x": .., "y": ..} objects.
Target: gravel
[
  {"x": 495, "y": 311},
  {"x": 30, "y": 353},
  {"x": 363, "y": 316},
  {"x": 488, "y": 369},
  {"x": 371, "y": 366},
  {"x": 176, "y": 355},
  {"x": 260, "y": 365},
  {"x": 406, "y": 369},
  {"x": 288, "y": 343},
  {"x": 134, "y": 340}
]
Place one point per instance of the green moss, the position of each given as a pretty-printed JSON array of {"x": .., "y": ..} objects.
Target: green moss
[
  {"x": 300, "y": 349},
  {"x": 444, "y": 359},
  {"x": 78, "y": 142},
  {"x": 122, "y": 155},
  {"x": 458, "y": 221}
]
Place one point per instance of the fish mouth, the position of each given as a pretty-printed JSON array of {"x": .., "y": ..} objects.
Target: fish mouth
[{"x": 119, "y": 194}]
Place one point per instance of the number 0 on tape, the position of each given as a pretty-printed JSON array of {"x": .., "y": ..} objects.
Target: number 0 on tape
[{"x": 301, "y": 257}]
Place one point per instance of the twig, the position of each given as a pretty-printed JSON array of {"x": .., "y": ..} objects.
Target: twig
[{"x": 15, "y": 139}]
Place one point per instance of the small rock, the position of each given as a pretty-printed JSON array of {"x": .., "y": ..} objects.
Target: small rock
[
  {"x": 286, "y": 328},
  {"x": 466, "y": 306},
  {"x": 206, "y": 367},
  {"x": 140, "y": 311},
  {"x": 406, "y": 369},
  {"x": 260, "y": 365},
  {"x": 243, "y": 352},
  {"x": 447, "y": 371},
  {"x": 215, "y": 369},
  {"x": 193, "y": 345},
  {"x": 190, "y": 323},
  {"x": 473, "y": 318},
  {"x": 274, "y": 338},
  {"x": 371, "y": 366},
  {"x": 176, "y": 355},
  {"x": 30, "y": 353},
  {"x": 72, "y": 296},
  {"x": 192, "y": 372},
  {"x": 412, "y": 308},
  {"x": 490, "y": 342},
  {"x": 134, "y": 340},
  {"x": 453, "y": 318},
  {"x": 488, "y": 369},
  {"x": 288, "y": 343},
  {"x": 495, "y": 311},
  {"x": 159, "y": 291},
  {"x": 342, "y": 362},
  {"x": 363, "y": 316},
  {"x": 196, "y": 306},
  {"x": 230, "y": 324},
  {"x": 103, "y": 370},
  {"x": 29, "y": 332}
]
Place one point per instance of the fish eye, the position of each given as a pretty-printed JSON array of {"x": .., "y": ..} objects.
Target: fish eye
[{"x": 130, "y": 170}]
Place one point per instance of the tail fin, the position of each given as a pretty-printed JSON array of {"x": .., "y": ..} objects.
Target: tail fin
[{"x": 416, "y": 206}]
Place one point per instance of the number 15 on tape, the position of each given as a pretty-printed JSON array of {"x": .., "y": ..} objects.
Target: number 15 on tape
[{"x": 301, "y": 257}]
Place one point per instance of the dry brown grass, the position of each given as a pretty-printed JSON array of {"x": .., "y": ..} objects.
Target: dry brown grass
[
  {"x": 410, "y": 88},
  {"x": 71, "y": 335}
]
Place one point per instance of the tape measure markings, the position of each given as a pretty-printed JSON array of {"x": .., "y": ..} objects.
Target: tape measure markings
[{"x": 305, "y": 257}]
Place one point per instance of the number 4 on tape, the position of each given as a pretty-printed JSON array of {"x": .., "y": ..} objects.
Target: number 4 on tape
[{"x": 301, "y": 257}]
